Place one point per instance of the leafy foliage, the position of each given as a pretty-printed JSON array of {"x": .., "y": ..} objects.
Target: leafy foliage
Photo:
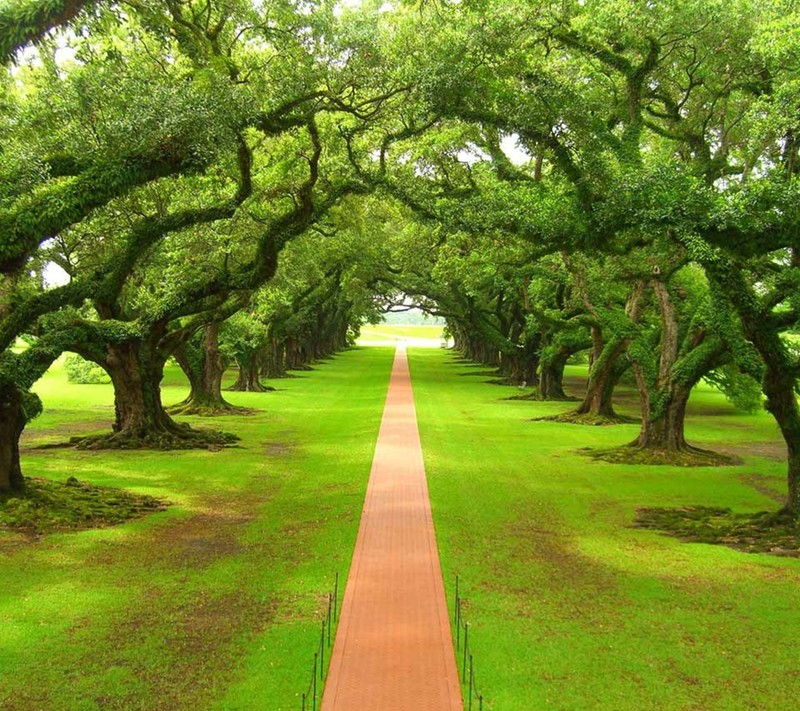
[{"x": 83, "y": 372}]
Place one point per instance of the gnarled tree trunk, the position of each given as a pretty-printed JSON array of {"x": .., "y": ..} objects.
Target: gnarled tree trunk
[
  {"x": 782, "y": 404},
  {"x": 793, "y": 500},
  {"x": 273, "y": 360},
  {"x": 248, "y": 379},
  {"x": 764, "y": 332},
  {"x": 520, "y": 366},
  {"x": 663, "y": 402},
  {"x": 136, "y": 370},
  {"x": 551, "y": 377},
  {"x": 12, "y": 422},
  {"x": 296, "y": 356},
  {"x": 664, "y": 396},
  {"x": 607, "y": 365},
  {"x": 551, "y": 386},
  {"x": 604, "y": 375},
  {"x": 664, "y": 430},
  {"x": 521, "y": 370},
  {"x": 204, "y": 366}
]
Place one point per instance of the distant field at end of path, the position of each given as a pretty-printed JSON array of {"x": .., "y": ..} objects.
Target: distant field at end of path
[{"x": 388, "y": 334}]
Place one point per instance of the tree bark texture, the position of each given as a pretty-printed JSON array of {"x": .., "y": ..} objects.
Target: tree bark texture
[
  {"x": 663, "y": 402},
  {"x": 782, "y": 404},
  {"x": 136, "y": 370},
  {"x": 12, "y": 423},
  {"x": 666, "y": 430},
  {"x": 779, "y": 380},
  {"x": 665, "y": 394},
  {"x": 551, "y": 377},
  {"x": 204, "y": 366},
  {"x": 248, "y": 380},
  {"x": 273, "y": 360},
  {"x": 604, "y": 375}
]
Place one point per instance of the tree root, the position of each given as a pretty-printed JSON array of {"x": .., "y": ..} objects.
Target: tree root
[
  {"x": 776, "y": 533},
  {"x": 189, "y": 408},
  {"x": 71, "y": 506},
  {"x": 181, "y": 437},
  {"x": 574, "y": 418},
  {"x": 260, "y": 389},
  {"x": 687, "y": 457},
  {"x": 534, "y": 396},
  {"x": 524, "y": 396}
]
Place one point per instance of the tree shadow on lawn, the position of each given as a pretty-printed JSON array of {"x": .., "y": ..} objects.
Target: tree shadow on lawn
[
  {"x": 50, "y": 437},
  {"x": 480, "y": 374},
  {"x": 764, "y": 485},
  {"x": 192, "y": 631}
]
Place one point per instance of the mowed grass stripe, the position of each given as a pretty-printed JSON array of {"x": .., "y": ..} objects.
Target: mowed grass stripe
[
  {"x": 216, "y": 602},
  {"x": 570, "y": 608}
]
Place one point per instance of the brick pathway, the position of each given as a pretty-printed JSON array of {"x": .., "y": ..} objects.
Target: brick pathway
[{"x": 393, "y": 649}]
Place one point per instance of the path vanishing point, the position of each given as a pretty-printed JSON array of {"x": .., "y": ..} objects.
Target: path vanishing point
[{"x": 393, "y": 649}]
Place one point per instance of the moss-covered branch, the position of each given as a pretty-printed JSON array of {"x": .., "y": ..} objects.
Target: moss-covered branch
[
  {"x": 28, "y": 21},
  {"x": 45, "y": 212}
]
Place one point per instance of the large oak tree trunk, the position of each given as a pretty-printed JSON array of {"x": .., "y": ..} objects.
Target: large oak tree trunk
[
  {"x": 140, "y": 419},
  {"x": 664, "y": 398},
  {"x": 551, "y": 378},
  {"x": 248, "y": 379},
  {"x": 779, "y": 377},
  {"x": 12, "y": 422},
  {"x": 782, "y": 404},
  {"x": 296, "y": 356},
  {"x": 520, "y": 367},
  {"x": 273, "y": 360},
  {"x": 603, "y": 378},
  {"x": 793, "y": 500},
  {"x": 204, "y": 367},
  {"x": 139, "y": 413},
  {"x": 665, "y": 431},
  {"x": 663, "y": 402},
  {"x": 607, "y": 365}
]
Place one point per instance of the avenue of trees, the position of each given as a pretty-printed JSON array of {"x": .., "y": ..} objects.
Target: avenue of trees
[{"x": 246, "y": 182}]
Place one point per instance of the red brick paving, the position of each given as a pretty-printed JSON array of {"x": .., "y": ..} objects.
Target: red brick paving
[{"x": 393, "y": 649}]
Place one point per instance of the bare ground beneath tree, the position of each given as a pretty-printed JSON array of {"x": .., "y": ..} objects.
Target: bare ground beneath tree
[
  {"x": 762, "y": 532},
  {"x": 775, "y": 450},
  {"x": 765, "y": 485},
  {"x": 50, "y": 506},
  {"x": 573, "y": 418},
  {"x": 51, "y": 437},
  {"x": 690, "y": 457}
]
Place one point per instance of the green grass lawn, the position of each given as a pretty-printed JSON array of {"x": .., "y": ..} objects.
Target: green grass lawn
[
  {"x": 570, "y": 607},
  {"x": 216, "y": 602}
]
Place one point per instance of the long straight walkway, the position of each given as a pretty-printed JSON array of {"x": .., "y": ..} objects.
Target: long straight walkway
[{"x": 393, "y": 649}]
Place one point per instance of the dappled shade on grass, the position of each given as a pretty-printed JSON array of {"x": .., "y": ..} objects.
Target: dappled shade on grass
[
  {"x": 572, "y": 607},
  {"x": 73, "y": 505},
  {"x": 212, "y": 604}
]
